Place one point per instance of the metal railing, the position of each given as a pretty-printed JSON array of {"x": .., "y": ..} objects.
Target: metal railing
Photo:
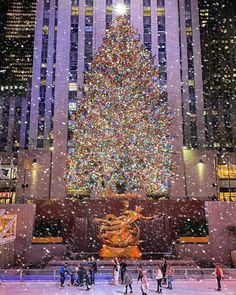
[
  {"x": 105, "y": 274},
  {"x": 2, "y": 211}
]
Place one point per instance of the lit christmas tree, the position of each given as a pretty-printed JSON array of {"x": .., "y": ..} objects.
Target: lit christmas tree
[{"x": 121, "y": 141}]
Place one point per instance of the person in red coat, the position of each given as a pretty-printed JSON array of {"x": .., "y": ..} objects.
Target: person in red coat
[{"x": 219, "y": 275}]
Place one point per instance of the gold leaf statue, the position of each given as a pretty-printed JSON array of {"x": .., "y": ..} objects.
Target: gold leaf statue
[{"x": 120, "y": 234}]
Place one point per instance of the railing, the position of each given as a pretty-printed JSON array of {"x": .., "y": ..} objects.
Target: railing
[
  {"x": 7, "y": 228},
  {"x": 105, "y": 274},
  {"x": 2, "y": 211}
]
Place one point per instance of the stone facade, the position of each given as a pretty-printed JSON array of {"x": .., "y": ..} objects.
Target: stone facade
[{"x": 64, "y": 53}]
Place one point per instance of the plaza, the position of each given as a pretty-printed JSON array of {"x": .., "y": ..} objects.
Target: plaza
[{"x": 118, "y": 147}]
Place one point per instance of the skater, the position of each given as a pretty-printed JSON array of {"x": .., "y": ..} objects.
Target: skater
[
  {"x": 163, "y": 266},
  {"x": 81, "y": 274},
  {"x": 93, "y": 270},
  {"x": 90, "y": 270},
  {"x": 219, "y": 275},
  {"x": 116, "y": 269},
  {"x": 63, "y": 271},
  {"x": 159, "y": 277},
  {"x": 140, "y": 270},
  {"x": 123, "y": 267},
  {"x": 72, "y": 279},
  {"x": 128, "y": 281},
  {"x": 144, "y": 283},
  {"x": 87, "y": 280},
  {"x": 169, "y": 272}
]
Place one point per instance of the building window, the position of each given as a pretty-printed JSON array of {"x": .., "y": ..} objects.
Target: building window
[
  {"x": 89, "y": 2},
  {"x": 161, "y": 27},
  {"x": 147, "y": 37},
  {"x": 108, "y": 13},
  {"x": 88, "y": 56},
  {"x": 146, "y": 3}
]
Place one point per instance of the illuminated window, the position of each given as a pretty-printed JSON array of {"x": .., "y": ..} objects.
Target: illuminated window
[
  {"x": 45, "y": 30},
  {"x": 227, "y": 171},
  {"x": 160, "y": 11},
  {"x": 72, "y": 86}
]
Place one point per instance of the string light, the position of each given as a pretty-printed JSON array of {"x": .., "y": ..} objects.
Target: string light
[{"x": 121, "y": 137}]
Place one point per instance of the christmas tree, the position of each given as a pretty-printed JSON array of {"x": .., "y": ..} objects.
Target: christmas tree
[{"x": 122, "y": 140}]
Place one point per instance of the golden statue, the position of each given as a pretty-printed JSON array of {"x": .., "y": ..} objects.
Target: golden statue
[{"x": 120, "y": 235}]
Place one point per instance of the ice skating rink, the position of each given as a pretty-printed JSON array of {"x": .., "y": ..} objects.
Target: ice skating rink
[{"x": 180, "y": 288}]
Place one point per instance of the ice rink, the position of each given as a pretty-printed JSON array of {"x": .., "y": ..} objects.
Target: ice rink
[{"x": 180, "y": 288}]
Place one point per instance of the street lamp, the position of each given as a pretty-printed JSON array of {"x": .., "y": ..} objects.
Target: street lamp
[
  {"x": 25, "y": 185},
  {"x": 229, "y": 180}
]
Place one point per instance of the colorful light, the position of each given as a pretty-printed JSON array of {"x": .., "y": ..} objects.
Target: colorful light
[{"x": 121, "y": 138}]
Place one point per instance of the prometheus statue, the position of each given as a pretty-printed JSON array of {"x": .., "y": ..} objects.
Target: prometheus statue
[{"x": 120, "y": 234}]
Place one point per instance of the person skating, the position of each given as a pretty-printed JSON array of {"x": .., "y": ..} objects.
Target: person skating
[
  {"x": 90, "y": 270},
  {"x": 159, "y": 277},
  {"x": 128, "y": 281},
  {"x": 140, "y": 270},
  {"x": 93, "y": 270},
  {"x": 144, "y": 283},
  {"x": 63, "y": 271},
  {"x": 123, "y": 266},
  {"x": 169, "y": 272},
  {"x": 81, "y": 274},
  {"x": 72, "y": 279},
  {"x": 219, "y": 275},
  {"x": 87, "y": 280},
  {"x": 116, "y": 268},
  {"x": 163, "y": 267}
]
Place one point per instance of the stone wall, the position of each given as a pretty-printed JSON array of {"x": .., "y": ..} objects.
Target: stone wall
[
  {"x": 24, "y": 230},
  {"x": 7, "y": 253},
  {"x": 40, "y": 254},
  {"x": 222, "y": 236},
  {"x": 82, "y": 231}
]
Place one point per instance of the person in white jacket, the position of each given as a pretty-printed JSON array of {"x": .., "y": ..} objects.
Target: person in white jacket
[{"x": 159, "y": 277}]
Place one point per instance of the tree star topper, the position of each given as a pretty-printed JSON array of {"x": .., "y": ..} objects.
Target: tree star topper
[{"x": 120, "y": 9}]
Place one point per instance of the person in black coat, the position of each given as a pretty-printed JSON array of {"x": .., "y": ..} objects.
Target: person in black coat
[
  {"x": 163, "y": 267},
  {"x": 93, "y": 270},
  {"x": 87, "y": 279},
  {"x": 123, "y": 267},
  {"x": 81, "y": 272},
  {"x": 140, "y": 271}
]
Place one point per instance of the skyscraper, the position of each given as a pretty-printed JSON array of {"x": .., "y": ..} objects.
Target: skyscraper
[
  {"x": 218, "y": 25},
  {"x": 18, "y": 20},
  {"x": 69, "y": 33}
]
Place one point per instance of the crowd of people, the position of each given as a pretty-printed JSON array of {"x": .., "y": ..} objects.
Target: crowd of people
[
  {"x": 163, "y": 274},
  {"x": 85, "y": 274}
]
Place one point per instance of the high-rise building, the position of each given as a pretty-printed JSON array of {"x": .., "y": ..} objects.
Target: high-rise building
[
  {"x": 17, "y": 35},
  {"x": 218, "y": 25},
  {"x": 14, "y": 123},
  {"x": 69, "y": 33}
]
